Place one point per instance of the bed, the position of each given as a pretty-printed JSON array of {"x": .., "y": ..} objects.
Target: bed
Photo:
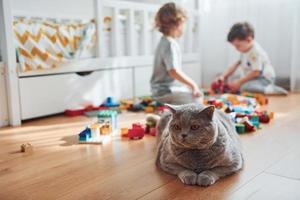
[{"x": 123, "y": 54}]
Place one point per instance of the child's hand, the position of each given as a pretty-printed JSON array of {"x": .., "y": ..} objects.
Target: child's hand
[
  {"x": 234, "y": 86},
  {"x": 196, "y": 91}
]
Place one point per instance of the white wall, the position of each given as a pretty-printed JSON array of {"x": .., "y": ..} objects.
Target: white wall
[
  {"x": 273, "y": 30},
  {"x": 56, "y": 7}
]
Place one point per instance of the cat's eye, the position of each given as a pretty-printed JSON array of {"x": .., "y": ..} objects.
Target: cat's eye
[
  {"x": 177, "y": 127},
  {"x": 195, "y": 127}
]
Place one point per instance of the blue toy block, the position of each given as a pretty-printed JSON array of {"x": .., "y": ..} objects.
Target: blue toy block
[
  {"x": 110, "y": 102},
  {"x": 85, "y": 135},
  {"x": 243, "y": 110}
]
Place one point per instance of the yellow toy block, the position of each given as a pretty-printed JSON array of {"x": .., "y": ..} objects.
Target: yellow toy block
[
  {"x": 149, "y": 109},
  {"x": 124, "y": 132}
]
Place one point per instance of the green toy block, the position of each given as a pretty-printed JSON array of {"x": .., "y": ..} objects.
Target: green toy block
[
  {"x": 107, "y": 113},
  {"x": 240, "y": 128}
]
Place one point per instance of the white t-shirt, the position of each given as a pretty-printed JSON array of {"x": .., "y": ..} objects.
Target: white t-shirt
[{"x": 257, "y": 59}]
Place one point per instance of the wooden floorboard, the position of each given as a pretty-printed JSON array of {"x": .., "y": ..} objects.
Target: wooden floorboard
[{"x": 60, "y": 168}]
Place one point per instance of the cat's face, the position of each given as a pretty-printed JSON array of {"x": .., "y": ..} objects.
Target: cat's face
[{"x": 191, "y": 126}]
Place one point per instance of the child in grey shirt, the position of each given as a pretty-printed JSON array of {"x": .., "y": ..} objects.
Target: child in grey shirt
[{"x": 168, "y": 83}]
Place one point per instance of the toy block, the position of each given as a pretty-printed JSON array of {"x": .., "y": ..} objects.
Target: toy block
[
  {"x": 228, "y": 109},
  {"x": 91, "y": 135},
  {"x": 136, "y": 132},
  {"x": 147, "y": 129},
  {"x": 106, "y": 129},
  {"x": 136, "y": 108},
  {"x": 85, "y": 135},
  {"x": 254, "y": 119},
  {"x": 91, "y": 113},
  {"x": 117, "y": 109},
  {"x": 108, "y": 116},
  {"x": 149, "y": 125},
  {"x": 149, "y": 109},
  {"x": 205, "y": 101},
  {"x": 249, "y": 127},
  {"x": 218, "y": 104},
  {"x": 243, "y": 109},
  {"x": 110, "y": 102},
  {"x": 26, "y": 148},
  {"x": 271, "y": 115},
  {"x": 74, "y": 113},
  {"x": 264, "y": 117},
  {"x": 124, "y": 132},
  {"x": 206, "y": 93},
  {"x": 211, "y": 101},
  {"x": 240, "y": 128},
  {"x": 156, "y": 104},
  {"x": 152, "y": 131},
  {"x": 161, "y": 109},
  {"x": 219, "y": 87}
]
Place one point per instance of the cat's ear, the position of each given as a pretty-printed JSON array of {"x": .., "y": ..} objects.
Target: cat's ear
[
  {"x": 172, "y": 108},
  {"x": 208, "y": 111}
]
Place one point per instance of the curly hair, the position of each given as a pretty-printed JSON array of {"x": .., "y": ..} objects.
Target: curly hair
[{"x": 168, "y": 17}]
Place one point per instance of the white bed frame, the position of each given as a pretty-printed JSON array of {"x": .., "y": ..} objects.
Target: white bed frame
[{"x": 21, "y": 85}]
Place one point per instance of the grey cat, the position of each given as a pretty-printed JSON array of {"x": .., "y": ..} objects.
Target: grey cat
[{"x": 198, "y": 144}]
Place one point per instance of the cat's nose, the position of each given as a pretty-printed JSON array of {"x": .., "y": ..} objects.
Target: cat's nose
[{"x": 183, "y": 135}]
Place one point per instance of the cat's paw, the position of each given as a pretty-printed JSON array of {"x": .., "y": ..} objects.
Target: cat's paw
[
  {"x": 206, "y": 178},
  {"x": 188, "y": 177}
]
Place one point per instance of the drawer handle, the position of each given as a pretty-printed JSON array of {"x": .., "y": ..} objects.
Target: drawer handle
[{"x": 85, "y": 73}]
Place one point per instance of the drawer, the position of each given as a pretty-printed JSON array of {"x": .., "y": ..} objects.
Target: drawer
[{"x": 51, "y": 94}]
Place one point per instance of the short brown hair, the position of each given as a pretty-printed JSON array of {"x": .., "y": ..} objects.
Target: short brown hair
[
  {"x": 168, "y": 17},
  {"x": 240, "y": 31}
]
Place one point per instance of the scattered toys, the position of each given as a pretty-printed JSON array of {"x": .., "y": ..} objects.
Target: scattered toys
[
  {"x": 260, "y": 98},
  {"x": 26, "y": 148},
  {"x": 96, "y": 133},
  {"x": 243, "y": 110},
  {"x": 136, "y": 132}
]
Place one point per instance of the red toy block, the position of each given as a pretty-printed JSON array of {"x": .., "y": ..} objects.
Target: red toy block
[
  {"x": 91, "y": 108},
  {"x": 74, "y": 113},
  {"x": 153, "y": 131},
  {"x": 136, "y": 132},
  {"x": 219, "y": 87},
  {"x": 264, "y": 117},
  {"x": 249, "y": 126}
]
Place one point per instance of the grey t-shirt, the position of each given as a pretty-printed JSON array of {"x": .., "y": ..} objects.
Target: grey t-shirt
[{"x": 167, "y": 57}]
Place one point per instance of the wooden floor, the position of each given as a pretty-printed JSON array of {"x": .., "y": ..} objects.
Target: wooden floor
[{"x": 60, "y": 168}]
